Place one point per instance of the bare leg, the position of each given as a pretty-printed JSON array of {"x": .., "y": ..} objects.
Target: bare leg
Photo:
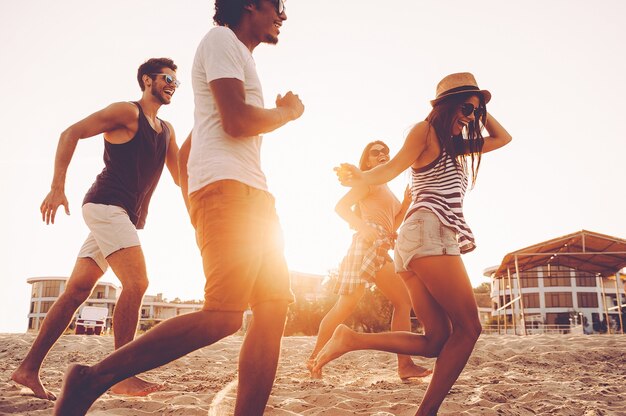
[
  {"x": 340, "y": 311},
  {"x": 432, "y": 316},
  {"x": 258, "y": 358},
  {"x": 438, "y": 274},
  {"x": 166, "y": 342},
  {"x": 129, "y": 266},
  {"x": 79, "y": 286},
  {"x": 392, "y": 286},
  {"x": 450, "y": 321}
]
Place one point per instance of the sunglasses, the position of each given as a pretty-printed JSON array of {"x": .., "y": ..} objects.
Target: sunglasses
[
  {"x": 376, "y": 152},
  {"x": 169, "y": 79},
  {"x": 280, "y": 6},
  {"x": 468, "y": 108}
]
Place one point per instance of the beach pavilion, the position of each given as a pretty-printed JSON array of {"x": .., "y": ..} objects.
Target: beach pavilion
[{"x": 586, "y": 258}]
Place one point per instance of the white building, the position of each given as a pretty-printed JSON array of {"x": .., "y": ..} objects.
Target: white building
[
  {"x": 154, "y": 309},
  {"x": 566, "y": 281}
]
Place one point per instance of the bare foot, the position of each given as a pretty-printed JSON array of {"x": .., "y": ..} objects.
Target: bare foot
[
  {"x": 309, "y": 365},
  {"x": 412, "y": 371},
  {"x": 32, "y": 381},
  {"x": 134, "y": 386},
  {"x": 337, "y": 346},
  {"x": 77, "y": 393}
]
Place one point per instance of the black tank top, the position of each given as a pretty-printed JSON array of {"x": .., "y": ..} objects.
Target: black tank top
[{"x": 132, "y": 171}]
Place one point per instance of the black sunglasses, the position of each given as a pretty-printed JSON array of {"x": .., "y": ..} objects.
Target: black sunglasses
[
  {"x": 376, "y": 152},
  {"x": 468, "y": 108},
  {"x": 280, "y": 6},
  {"x": 169, "y": 79}
]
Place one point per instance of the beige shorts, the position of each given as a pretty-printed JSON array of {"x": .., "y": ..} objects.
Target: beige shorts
[{"x": 111, "y": 230}]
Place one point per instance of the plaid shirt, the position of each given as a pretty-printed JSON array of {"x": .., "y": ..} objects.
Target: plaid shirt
[{"x": 364, "y": 260}]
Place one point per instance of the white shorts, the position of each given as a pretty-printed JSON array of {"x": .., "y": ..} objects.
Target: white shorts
[{"x": 111, "y": 230}]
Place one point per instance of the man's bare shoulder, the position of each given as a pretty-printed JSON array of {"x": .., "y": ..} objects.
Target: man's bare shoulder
[
  {"x": 119, "y": 121},
  {"x": 168, "y": 124},
  {"x": 122, "y": 110}
]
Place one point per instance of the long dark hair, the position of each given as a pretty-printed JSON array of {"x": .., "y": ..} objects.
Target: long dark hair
[
  {"x": 465, "y": 151},
  {"x": 366, "y": 152}
]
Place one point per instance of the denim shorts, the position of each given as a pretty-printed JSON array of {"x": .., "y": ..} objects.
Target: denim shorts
[{"x": 423, "y": 235}]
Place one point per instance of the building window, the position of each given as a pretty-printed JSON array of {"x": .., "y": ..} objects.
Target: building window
[
  {"x": 529, "y": 278},
  {"x": 587, "y": 300},
  {"x": 51, "y": 289},
  {"x": 530, "y": 281},
  {"x": 555, "y": 281},
  {"x": 558, "y": 300},
  {"x": 586, "y": 280},
  {"x": 554, "y": 276},
  {"x": 31, "y": 323},
  {"x": 32, "y": 307},
  {"x": 531, "y": 300},
  {"x": 44, "y": 307}
]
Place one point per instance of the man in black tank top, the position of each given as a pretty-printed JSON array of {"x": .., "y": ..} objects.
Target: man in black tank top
[{"x": 137, "y": 144}]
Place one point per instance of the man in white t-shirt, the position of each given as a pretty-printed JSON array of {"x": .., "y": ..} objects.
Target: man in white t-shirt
[{"x": 237, "y": 228}]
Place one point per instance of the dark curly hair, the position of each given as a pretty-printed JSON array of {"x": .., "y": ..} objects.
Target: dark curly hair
[
  {"x": 153, "y": 66},
  {"x": 229, "y": 12}
]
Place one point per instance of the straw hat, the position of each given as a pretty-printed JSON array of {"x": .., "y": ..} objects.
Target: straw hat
[{"x": 457, "y": 84}]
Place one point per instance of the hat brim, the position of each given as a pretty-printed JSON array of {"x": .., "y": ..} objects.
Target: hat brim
[{"x": 485, "y": 93}]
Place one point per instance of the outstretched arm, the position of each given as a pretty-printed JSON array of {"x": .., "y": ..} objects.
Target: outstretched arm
[
  {"x": 413, "y": 147},
  {"x": 117, "y": 116},
  {"x": 240, "y": 119},
  {"x": 498, "y": 136}
]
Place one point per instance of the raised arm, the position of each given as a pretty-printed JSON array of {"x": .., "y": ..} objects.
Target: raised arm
[
  {"x": 171, "y": 158},
  {"x": 345, "y": 211},
  {"x": 116, "y": 117},
  {"x": 240, "y": 119},
  {"x": 498, "y": 136}
]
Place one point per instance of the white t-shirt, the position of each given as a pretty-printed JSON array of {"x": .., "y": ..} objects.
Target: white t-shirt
[{"x": 214, "y": 154}]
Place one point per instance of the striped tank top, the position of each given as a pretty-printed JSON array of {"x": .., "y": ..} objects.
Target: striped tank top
[{"x": 440, "y": 187}]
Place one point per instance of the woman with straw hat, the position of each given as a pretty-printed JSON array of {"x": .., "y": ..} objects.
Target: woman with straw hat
[{"x": 444, "y": 153}]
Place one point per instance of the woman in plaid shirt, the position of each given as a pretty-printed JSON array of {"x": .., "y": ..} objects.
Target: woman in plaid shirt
[{"x": 376, "y": 217}]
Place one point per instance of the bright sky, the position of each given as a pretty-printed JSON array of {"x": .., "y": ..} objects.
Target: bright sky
[{"x": 365, "y": 70}]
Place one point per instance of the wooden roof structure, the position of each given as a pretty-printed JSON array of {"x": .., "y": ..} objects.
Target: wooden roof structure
[{"x": 584, "y": 250}]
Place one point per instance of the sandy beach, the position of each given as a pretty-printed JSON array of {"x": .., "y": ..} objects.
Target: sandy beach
[{"x": 506, "y": 375}]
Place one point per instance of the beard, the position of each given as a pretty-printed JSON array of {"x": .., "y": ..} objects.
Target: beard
[
  {"x": 159, "y": 95},
  {"x": 272, "y": 40}
]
